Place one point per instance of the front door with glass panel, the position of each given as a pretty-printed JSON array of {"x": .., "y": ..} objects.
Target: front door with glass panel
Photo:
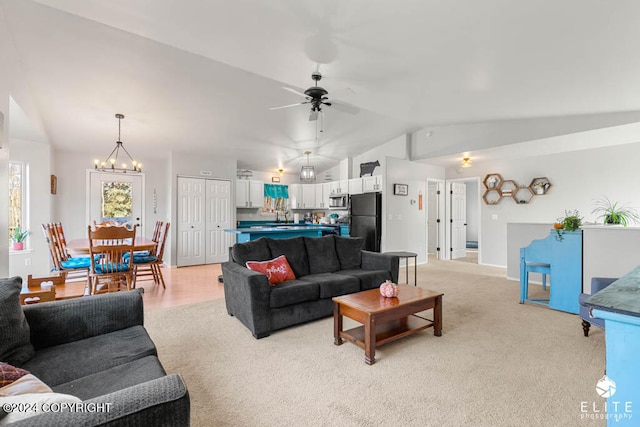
[{"x": 116, "y": 198}]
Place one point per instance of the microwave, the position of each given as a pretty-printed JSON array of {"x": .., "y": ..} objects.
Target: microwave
[{"x": 339, "y": 201}]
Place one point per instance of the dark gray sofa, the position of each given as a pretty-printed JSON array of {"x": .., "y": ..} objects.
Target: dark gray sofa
[
  {"x": 324, "y": 267},
  {"x": 94, "y": 348}
]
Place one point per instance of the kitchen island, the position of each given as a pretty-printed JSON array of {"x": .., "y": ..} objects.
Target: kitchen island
[{"x": 278, "y": 232}]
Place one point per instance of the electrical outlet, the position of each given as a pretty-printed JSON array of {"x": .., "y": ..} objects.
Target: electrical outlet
[{"x": 27, "y": 261}]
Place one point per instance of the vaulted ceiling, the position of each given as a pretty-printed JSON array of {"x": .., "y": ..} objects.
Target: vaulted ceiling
[{"x": 200, "y": 75}]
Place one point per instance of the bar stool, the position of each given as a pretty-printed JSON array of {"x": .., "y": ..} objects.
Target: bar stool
[
  {"x": 533, "y": 267},
  {"x": 406, "y": 256}
]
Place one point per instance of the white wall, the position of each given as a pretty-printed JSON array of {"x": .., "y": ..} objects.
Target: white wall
[
  {"x": 404, "y": 225},
  {"x": 37, "y": 158},
  {"x": 577, "y": 177}
]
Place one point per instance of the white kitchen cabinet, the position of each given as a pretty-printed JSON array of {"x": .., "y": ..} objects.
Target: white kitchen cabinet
[
  {"x": 372, "y": 183},
  {"x": 339, "y": 187},
  {"x": 323, "y": 191},
  {"x": 249, "y": 193},
  {"x": 302, "y": 196},
  {"x": 355, "y": 186}
]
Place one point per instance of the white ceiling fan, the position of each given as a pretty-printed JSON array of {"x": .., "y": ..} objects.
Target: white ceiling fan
[{"x": 318, "y": 97}]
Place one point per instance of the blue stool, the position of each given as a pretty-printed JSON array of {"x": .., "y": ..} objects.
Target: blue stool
[
  {"x": 533, "y": 267},
  {"x": 597, "y": 284}
]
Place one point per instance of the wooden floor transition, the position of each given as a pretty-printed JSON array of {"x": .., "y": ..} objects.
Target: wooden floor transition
[{"x": 185, "y": 285}]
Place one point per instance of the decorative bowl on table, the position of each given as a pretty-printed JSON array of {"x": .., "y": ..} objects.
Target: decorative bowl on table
[{"x": 389, "y": 289}]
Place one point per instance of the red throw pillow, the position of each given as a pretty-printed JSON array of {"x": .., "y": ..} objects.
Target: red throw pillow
[
  {"x": 277, "y": 270},
  {"x": 9, "y": 374}
]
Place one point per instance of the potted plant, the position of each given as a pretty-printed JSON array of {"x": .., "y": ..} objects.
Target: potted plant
[
  {"x": 570, "y": 222},
  {"x": 18, "y": 237},
  {"x": 614, "y": 213}
]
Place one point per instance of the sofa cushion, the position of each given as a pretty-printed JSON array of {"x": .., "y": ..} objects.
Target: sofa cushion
[
  {"x": 349, "y": 252},
  {"x": 322, "y": 254},
  {"x": 333, "y": 285},
  {"x": 277, "y": 270},
  {"x": 15, "y": 335},
  {"x": 114, "y": 379},
  {"x": 369, "y": 279},
  {"x": 63, "y": 363},
  {"x": 294, "y": 249},
  {"x": 255, "y": 250},
  {"x": 293, "y": 292}
]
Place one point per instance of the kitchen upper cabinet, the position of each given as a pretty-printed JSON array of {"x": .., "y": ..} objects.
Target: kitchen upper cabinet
[
  {"x": 340, "y": 187},
  {"x": 372, "y": 183},
  {"x": 302, "y": 196},
  {"x": 322, "y": 195},
  {"x": 355, "y": 186},
  {"x": 249, "y": 193}
]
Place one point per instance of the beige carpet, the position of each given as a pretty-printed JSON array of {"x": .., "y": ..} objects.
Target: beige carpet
[{"x": 498, "y": 363}]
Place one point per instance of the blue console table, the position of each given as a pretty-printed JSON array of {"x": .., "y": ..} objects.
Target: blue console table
[
  {"x": 564, "y": 255},
  {"x": 619, "y": 305}
]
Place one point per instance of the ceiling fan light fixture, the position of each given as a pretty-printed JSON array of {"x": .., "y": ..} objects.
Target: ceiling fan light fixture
[{"x": 307, "y": 173}]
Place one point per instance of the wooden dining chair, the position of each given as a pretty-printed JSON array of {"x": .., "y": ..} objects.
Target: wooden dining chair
[
  {"x": 77, "y": 268},
  {"x": 41, "y": 289},
  {"x": 150, "y": 266},
  {"x": 110, "y": 268}
]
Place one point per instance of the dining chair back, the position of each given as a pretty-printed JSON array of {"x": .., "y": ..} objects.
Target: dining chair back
[
  {"x": 76, "y": 267},
  {"x": 110, "y": 268},
  {"x": 150, "y": 266}
]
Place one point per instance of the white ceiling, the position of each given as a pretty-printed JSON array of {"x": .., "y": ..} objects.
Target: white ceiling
[{"x": 200, "y": 75}]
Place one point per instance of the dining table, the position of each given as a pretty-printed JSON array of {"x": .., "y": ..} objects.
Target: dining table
[{"x": 81, "y": 246}]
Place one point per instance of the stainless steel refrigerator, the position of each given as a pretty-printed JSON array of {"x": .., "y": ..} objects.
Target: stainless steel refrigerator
[{"x": 365, "y": 216}]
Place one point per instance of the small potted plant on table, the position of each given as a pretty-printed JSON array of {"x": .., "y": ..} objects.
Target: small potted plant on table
[{"x": 17, "y": 237}]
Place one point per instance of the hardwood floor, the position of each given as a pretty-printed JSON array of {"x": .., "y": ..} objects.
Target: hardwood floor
[{"x": 185, "y": 285}]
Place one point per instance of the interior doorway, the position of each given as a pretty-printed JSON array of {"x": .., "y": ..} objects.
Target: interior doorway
[{"x": 463, "y": 219}]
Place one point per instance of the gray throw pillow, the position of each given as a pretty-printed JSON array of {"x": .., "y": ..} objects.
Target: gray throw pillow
[
  {"x": 255, "y": 250},
  {"x": 322, "y": 254},
  {"x": 15, "y": 338},
  {"x": 349, "y": 251}
]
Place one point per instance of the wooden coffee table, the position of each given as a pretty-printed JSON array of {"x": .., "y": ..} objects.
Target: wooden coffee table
[{"x": 385, "y": 319}]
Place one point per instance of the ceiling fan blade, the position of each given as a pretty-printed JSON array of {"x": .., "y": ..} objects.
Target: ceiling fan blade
[
  {"x": 342, "y": 93},
  {"x": 287, "y": 106},
  {"x": 313, "y": 116},
  {"x": 345, "y": 108},
  {"x": 296, "y": 91}
]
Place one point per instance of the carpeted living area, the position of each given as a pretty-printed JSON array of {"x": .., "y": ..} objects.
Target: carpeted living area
[{"x": 498, "y": 363}]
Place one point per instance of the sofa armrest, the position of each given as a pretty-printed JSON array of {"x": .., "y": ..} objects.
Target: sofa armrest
[
  {"x": 599, "y": 283},
  {"x": 60, "y": 322},
  {"x": 160, "y": 402},
  {"x": 247, "y": 294},
  {"x": 378, "y": 261}
]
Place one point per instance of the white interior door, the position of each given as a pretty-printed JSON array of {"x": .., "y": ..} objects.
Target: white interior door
[
  {"x": 458, "y": 220},
  {"x": 116, "y": 197},
  {"x": 218, "y": 202},
  {"x": 432, "y": 217},
  {"x": 191, "y": 222}
]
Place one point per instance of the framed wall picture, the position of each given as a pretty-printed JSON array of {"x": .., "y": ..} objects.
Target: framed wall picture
[
  {"x": 400, "y": 189},
  {"x": 275, "y": 179}
]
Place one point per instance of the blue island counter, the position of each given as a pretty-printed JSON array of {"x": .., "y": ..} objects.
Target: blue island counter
[
  {"x": 619, "y": 305},
  {"x": 277, "y": 232}
]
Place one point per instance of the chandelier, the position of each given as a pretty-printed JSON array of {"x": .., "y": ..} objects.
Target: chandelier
[
  {"x": 307, "y": 173},
  {"x": 111, "y": 164}
]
